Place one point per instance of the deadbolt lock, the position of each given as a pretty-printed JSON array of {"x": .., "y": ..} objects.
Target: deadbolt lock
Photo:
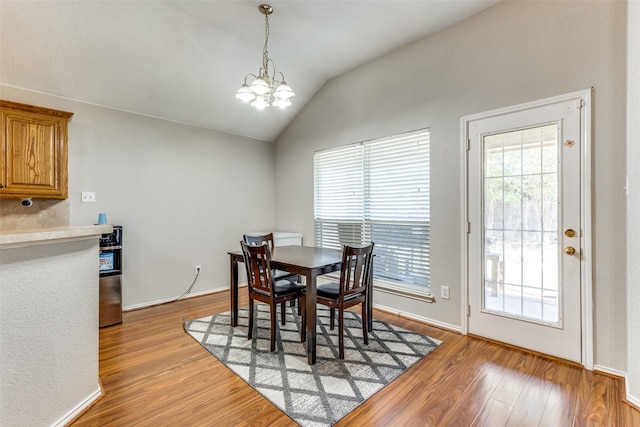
[{"x": 569, "y": 232}]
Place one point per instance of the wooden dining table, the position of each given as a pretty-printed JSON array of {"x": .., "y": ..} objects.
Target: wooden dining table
[{"x": 309, "y": 262}]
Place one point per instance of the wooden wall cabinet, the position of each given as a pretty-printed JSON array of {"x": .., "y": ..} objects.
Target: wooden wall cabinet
[{"x": 34, "y": 151}]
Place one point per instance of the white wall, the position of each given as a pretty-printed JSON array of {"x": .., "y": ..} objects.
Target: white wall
[
  {"x": 633, "y": 208},
  {"x": 512, "y": 53},
  {"x": 48, "y": 332},
  {"x": 184, "y": 195}
]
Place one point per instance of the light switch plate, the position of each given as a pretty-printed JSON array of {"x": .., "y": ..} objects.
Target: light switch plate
[
  {"x": 444, "y": 292},
  {"x": 88, "y": 197}
]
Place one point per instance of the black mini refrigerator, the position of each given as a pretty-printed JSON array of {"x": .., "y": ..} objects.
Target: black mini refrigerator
[{"x": 110, "y": 300}]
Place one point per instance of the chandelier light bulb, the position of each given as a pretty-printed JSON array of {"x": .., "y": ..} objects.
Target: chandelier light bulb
[
  {"x": 261, "y": 102},
  {"x": 281, "y": 103},
  {"x": 260, "y": 87},
  {"x": 284, "y": 92},
  {"x": 244, "y": 94},
  {"x": 269, "y": 83}
]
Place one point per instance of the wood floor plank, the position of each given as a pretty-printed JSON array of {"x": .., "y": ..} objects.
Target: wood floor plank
[
  {"x": 592, "y": 399},
  {"x": 154, "y": 374},
  {"x": 516, "y": 368},
  {"x": 527, "y": 411},
  {"x": 469, "y": 404},
  {"x": 561, "y": 404},
  {"x": 494, "y": 414}
]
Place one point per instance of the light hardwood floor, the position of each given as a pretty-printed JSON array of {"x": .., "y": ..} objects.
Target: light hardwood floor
[{"x": 154, "y": 374}]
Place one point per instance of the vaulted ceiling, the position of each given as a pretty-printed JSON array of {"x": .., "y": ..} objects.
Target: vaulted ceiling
[{"x": 184, "y": 60}]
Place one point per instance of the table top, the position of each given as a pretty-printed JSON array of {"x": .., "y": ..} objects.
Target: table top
[{"x": 302, "y": 256}]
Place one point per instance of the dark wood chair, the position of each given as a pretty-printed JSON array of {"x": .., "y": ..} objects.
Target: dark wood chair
[
  {"x": 351, "y": 290},
  {"x": 263, "y": 287},
  {"x": 278, "y": 274},
  {"x": 259, "y": 240}
]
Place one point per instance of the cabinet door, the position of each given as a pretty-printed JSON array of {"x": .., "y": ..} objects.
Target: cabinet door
[{"x": 34, "y": 154}]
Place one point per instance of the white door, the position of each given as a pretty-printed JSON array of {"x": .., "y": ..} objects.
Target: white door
[{"x": 525, "y": 231}]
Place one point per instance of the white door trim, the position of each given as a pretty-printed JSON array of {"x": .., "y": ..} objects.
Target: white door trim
[{"x": 586, "y": 290}]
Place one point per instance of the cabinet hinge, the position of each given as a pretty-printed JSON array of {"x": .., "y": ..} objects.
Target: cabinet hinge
[
  {"x": 468, "y": 227},
  {"x": 468, "y": 144},
  {"x": 468, "y": 310}
]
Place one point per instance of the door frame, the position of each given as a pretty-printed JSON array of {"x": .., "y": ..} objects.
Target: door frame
[{"x": 586, "y": 268}]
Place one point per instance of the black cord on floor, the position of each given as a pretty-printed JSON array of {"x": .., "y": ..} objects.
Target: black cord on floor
[{"x": 190, "y": 287}]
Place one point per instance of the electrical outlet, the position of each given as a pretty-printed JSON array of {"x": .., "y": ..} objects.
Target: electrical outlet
[
  {"x": 88, "y": 197},
  {"x": 444, "y": 292},
  {"x": 198, "y": 269}
]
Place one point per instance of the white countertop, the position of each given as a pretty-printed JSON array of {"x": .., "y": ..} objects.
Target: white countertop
[{"x": 43, "y": 236}]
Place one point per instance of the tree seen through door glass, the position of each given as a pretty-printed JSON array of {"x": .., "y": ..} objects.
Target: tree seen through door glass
[{"x": 521, "y": 217}]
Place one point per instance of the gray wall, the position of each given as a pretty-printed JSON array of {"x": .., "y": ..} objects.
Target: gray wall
[
  {"x": 512, "y": 53},
  {"x": 177, "y": 191},
  {"x": 633, "y": 208}
]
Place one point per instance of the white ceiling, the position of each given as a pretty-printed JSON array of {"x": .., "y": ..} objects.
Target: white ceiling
[{"x": 184, "y": 60}]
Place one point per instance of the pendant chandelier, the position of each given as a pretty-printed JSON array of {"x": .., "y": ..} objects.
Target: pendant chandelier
[{"x": 268, "y": 86}]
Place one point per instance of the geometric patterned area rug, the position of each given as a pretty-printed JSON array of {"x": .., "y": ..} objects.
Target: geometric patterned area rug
[{"x": 318, "y": 395}]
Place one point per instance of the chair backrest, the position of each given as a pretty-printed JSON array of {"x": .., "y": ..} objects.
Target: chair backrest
[
  {"x": 355, "y": 272},
  {"x": 259, "y": 240},
  {"x": 257, "y": 260}
]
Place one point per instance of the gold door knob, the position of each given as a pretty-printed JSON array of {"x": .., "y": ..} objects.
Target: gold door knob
[
  {"x": 569, "y": 250},
  {"x": 570, "y": 232}
]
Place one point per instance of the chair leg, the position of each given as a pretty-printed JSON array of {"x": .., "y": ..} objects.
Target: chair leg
[
  {"x": 303, "y": 331},
  {"x": 283, "y": 313},
  {"x": 249, "y": 336},
  {"x": 365, "y": 324},
  {"x": 273, "y": 327},
  {"x": 332, "y": 317},
  {"x": 341, "y": 332}
]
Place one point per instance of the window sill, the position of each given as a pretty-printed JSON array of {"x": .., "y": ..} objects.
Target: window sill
[
  {"x": 383, "y": 286},
  {"x": 404, "y": 292}
]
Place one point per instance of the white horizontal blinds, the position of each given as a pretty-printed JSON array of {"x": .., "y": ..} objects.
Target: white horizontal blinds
[
  {"x": 397, "y": 206},
  {"x": 378, "y": 191},
  {"x": 339, "y": 197}
]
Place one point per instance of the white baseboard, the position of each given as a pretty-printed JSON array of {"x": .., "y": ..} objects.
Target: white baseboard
[
  {"x": 417, "y": 318},
  {"x": 166, "y": 300},
  {"x": 632, "y": 399},
  {"x": 394, "y": 311},
  {"x": 79, "y": 408},
  {"x": 610, "y": 371},
  {"x": 629, "y": 397}
]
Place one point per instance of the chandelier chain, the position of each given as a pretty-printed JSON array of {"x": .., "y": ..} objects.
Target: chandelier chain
[{"x": 265, "y": 50}]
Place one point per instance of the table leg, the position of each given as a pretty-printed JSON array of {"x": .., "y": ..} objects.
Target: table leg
[
  {"x": 234, "y": 290},
  {"x": 310, "y": 313}
]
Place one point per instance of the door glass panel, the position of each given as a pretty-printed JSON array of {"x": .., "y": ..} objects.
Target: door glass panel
[{"x": 520, "y": 207}]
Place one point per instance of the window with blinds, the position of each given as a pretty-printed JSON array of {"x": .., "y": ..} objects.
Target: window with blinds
[{"x": 378, "y": 191}]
